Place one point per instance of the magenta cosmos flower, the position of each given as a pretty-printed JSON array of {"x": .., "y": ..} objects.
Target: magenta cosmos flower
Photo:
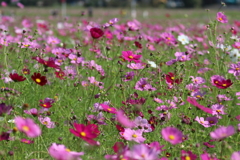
[
  {"x": 220, "y": 82},
  {"x": 222, "y": 132},
  {"x": 60, "y": 152},
  {"x": 172, "y": 135},
  {"x": 87, "y": 133},
  {"x": 129, "y": 56},
  {"x": 28, "y": 127},
  {"x": 222, "y": 18},
  {"x": 235, "y": 155}
]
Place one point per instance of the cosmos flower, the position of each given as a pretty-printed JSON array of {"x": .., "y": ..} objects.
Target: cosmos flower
[
  {"x": 46, "y": 121},
  {"x": 16, "y": 78},
  {"x": 142, "y": 152},
  {"x": 5, "y": 109},
  {"x": 183, "y": 39},
  {"x": 188, "y": 155},
  {"x": 222, "y": 132},
  {"x": 234, "y": 69},
  {"x": 129, "y": 76},
  {"x": 222, "y": 18},
  {"x": 39, "y": 79},
  {"x": 27, "y": 126},
  {"x": 220, "y": 82},
  {"x": 124, "y": 120},
  {"x": 87, "y": 133},
  {"x": 172, "y": 135},
  {"x": 60, "y": 152},
  {"x": 133, "y": 135},
  {"x": 96, "y": 32},
  {"x": 235, "y": 155},
  {"x": 129, "y": 56}
]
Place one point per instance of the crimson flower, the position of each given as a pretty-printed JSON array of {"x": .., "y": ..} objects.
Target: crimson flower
[
  {"x": 96, "y": 33},
  {"x": 220, "y": 82},
  {"x": 87, "y": 133},
  {"x": 170, "y": 78},
  {"x": 4, "y": 136},
  {"x": 49, "y": 63},
  {"x": 16, "y": 78},
  {"x": 39, "y": 79},
  {"x": 60, "y": 74}
]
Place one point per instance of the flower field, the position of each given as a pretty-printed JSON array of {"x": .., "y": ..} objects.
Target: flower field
[{"x": 159, "y": 87}]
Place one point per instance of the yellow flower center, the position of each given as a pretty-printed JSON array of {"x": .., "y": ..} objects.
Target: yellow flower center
[
  {"x": 109, "y": 109},
  {"x": 187, "y": 158},
  {"x": 237, "y": 69},
  {"x": 171, "y": 137},
  {"x": 172, "y": 78},
  {"x": 26, "y": 45},
  {"x": 25, "y": 128},
  {"x": 224, "y": 85},
  {"x": 134, "y": 136},
  {"x": 83, "y": 134},
  {"x": 220, "y": 19},
  {"x": 38, "y": 80},
  {"x": 68, "y": 150},
  {"x": 131, "y": 57},
  {"x": 45, "y": 122}
]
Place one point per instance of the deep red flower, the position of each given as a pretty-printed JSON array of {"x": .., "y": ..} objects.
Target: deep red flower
[
  {"x": 16, "y": 78},
  {"x": 25, "y": 71},
  {"x": 87, "y": 133},
  {"x": 120, "y": 128},
  {"x": 138, "y": 45},
  {"x": 41, "y": 80},
  {"x": 46, "y": 105},
  {"x": 49, "y": 63},
  {"x": 170, "y": 78},
  {"x": 4, "y": 136},
  {"x": 220, "y": 82},
  {"x": 60, "y": 74},
  {"x": 96, "y": 33}
]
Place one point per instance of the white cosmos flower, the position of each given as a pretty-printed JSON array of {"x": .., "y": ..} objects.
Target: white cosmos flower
[
  {"x": 183, "y": 39},
  {"x": 11, "y": 121},
  {"x": 152, "y": 64},
  {"x": 234, "y": 55}
]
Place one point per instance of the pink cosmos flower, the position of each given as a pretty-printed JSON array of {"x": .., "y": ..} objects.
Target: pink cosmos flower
[
  {"x": 47, "y": 122},
  {"x": 201, "y": 121},
  {"x": 222, "y": 18},
  {"x": 212, "y": 121},
  {"x": 20, "y": 5},
  {"x": 222, "y": 132},
  {"x": 172, "y": 135},
  {"x": 28, "y": 127},
  {"x": 123, "y": 120},
  {"x": 168, "y": 38},
  {"x": 129, "y": 76},
  {"x": 236, "y": 45},
  {"x": 198, "y": 80},
  {"x": 142, "y": 152},
  {"x": 207, "y": 156},
  {"x": 136, "y": 66},
  {"x": 133, "y": 135},
  {"x": 143, "y": 85},
  {"x": 235, "y": 69},
  {"x": 27, "y": 141},
  {"x": 235, "y": 155},
  {"x": 129, "y": 56},
  {"x": 4, "y": 4},
  {"x": 60, "y": 152}
]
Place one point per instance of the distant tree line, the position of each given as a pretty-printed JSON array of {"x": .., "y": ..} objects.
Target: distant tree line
[{"x": 116, "y": 3}]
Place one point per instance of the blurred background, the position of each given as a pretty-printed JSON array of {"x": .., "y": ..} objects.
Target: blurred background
[{"x": 127, "y": 3}]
